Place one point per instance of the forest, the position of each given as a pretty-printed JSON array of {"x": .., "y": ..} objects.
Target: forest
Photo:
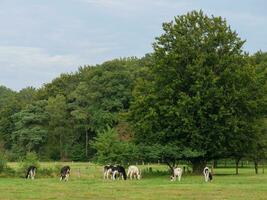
[{"x": 198, "y": 97}]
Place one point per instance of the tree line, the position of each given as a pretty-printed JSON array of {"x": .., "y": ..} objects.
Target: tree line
[{"x": 197, "y": 97}]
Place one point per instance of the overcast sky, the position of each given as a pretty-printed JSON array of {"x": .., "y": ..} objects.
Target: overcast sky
[{"x": 39, "y": 39}]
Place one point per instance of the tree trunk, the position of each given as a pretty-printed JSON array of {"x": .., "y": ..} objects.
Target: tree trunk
[
  {"x": 256, "y": 166},
  {"x": 236, "y": 165},
  {"x": 60, "y": 146},
  {"x": 86, "y": 142},
  {"x": 171, "y": 165},
  {"x": 198, "y": 165},
  {"x": 215, "y": 164}
]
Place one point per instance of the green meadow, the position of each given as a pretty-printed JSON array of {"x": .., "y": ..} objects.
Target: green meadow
[{"x": 86, "y": 182}]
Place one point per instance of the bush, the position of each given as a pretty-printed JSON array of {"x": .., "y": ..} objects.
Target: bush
[
  {"x": 8, "y": 172},
  {"x": 150, "y": 172},
  {"x": 3, "y": 162},
  {"x": 47, "y": 172},
  {"x": 31, "y": 158}
]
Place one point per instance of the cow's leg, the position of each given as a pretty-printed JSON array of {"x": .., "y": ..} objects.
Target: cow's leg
[
  {"x": 32, "y": 175},
  {"x": 206, "y": 177},
  {"x": 105, "y": 173},
  {"x": 67, "y": 177},
  {"x": 114, "y": 175}
]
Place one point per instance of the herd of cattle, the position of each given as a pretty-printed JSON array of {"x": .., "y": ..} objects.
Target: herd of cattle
[{"x": 117, "y": 172}]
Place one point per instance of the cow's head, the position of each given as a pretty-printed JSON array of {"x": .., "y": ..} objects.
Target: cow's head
[{"x": 138, "y": 176}]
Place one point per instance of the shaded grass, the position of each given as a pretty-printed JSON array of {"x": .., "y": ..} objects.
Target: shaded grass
[{"x": 90, "y": 185}]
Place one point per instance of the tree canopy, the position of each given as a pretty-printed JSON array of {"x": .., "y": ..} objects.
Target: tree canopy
[{"x": 203, "y": 96}]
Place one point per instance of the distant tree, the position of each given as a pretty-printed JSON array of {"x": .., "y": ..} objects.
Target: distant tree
[
  {"x": 110, "y": 149},
  {"x": 8, "y": 106},
  {"x": 103, "y": 93},
  {"x": 5, "y": 95},
  {"x": 258, "y": 149},
  {"x": 197, "y": 100},
  {"x": 27, "y": 96},
  {"x": 30, "y": 131},
  {"x": 60, "y": 132}
]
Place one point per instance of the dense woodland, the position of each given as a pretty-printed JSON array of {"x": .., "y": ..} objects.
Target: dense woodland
[{"x": 197, "y": 97}]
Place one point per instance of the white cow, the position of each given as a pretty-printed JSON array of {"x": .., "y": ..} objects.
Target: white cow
[
  {"x": 207, "y": 174},
  {"x": 134, "y": 172},
  {"x": 177, "y": 172}
]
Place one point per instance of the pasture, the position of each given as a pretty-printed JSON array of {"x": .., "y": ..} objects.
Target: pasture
[{"x": 86, "y": 182}]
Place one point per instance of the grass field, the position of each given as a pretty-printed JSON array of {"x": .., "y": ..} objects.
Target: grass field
[{"x": 88, "y": 184}]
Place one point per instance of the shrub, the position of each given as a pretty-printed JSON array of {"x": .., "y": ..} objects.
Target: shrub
[
  {"x": 31, "y": 158},
  {"x": 47, "y": 172},
  {"x": 3, "y": 162}
]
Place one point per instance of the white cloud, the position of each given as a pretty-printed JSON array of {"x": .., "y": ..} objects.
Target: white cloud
[
  {"x": 134, "y": 4},
  {"x": 30, "y": 58},
  {"x": 29, "y": 66}
]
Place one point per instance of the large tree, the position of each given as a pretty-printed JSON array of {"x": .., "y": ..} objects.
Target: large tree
[{"x": 197, "y": 98}]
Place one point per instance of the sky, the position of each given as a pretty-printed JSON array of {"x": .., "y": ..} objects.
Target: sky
[{"x": 40, "y": 39}]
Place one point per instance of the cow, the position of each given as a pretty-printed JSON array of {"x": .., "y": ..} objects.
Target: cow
[
  {"x": 176, "y": 172},
  {"x": 134, "y": 172},
  {"x": 207, "y": 174},
  {"x": 108, "y": 171},
  {"x": 31, "y": 171},
  {"x": 118, "y": 171},
  {"x": 64, "y": 173}
]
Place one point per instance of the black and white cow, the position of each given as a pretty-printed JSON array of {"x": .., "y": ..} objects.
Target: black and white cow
[
  {"x": 207, "y": 174},
  {"x": 108, "y": 171},
  {"x": 65, "y": 173},
  {"x": 31, "y": 171},
  {"x": 118, "y": 171}
]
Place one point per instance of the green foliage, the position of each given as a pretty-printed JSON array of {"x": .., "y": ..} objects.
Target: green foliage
[
  {"x": 59, "y": 131},
  {"x": 199, "y": 100},
  {"x": 110, "y": 149},
  {"x": 3, "y": 162},
  {"x": 31, "y": 159},
  {"x": 47, "y": 172},
  {"x": 78, "y": 153},
  {"x": 30, "y": 128}
]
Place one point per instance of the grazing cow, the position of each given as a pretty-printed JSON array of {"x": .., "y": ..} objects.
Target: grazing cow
[
  {"x": 207, "y": 174},
  {"x": 108, "y": 171},
  {"x": 133, "y": 171},
  {"x": 118, "y": 171},
  {"x": 65, "y": 173},
  {"x": 31, "y": 172},
  {"x": 176, "y": 172}
]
